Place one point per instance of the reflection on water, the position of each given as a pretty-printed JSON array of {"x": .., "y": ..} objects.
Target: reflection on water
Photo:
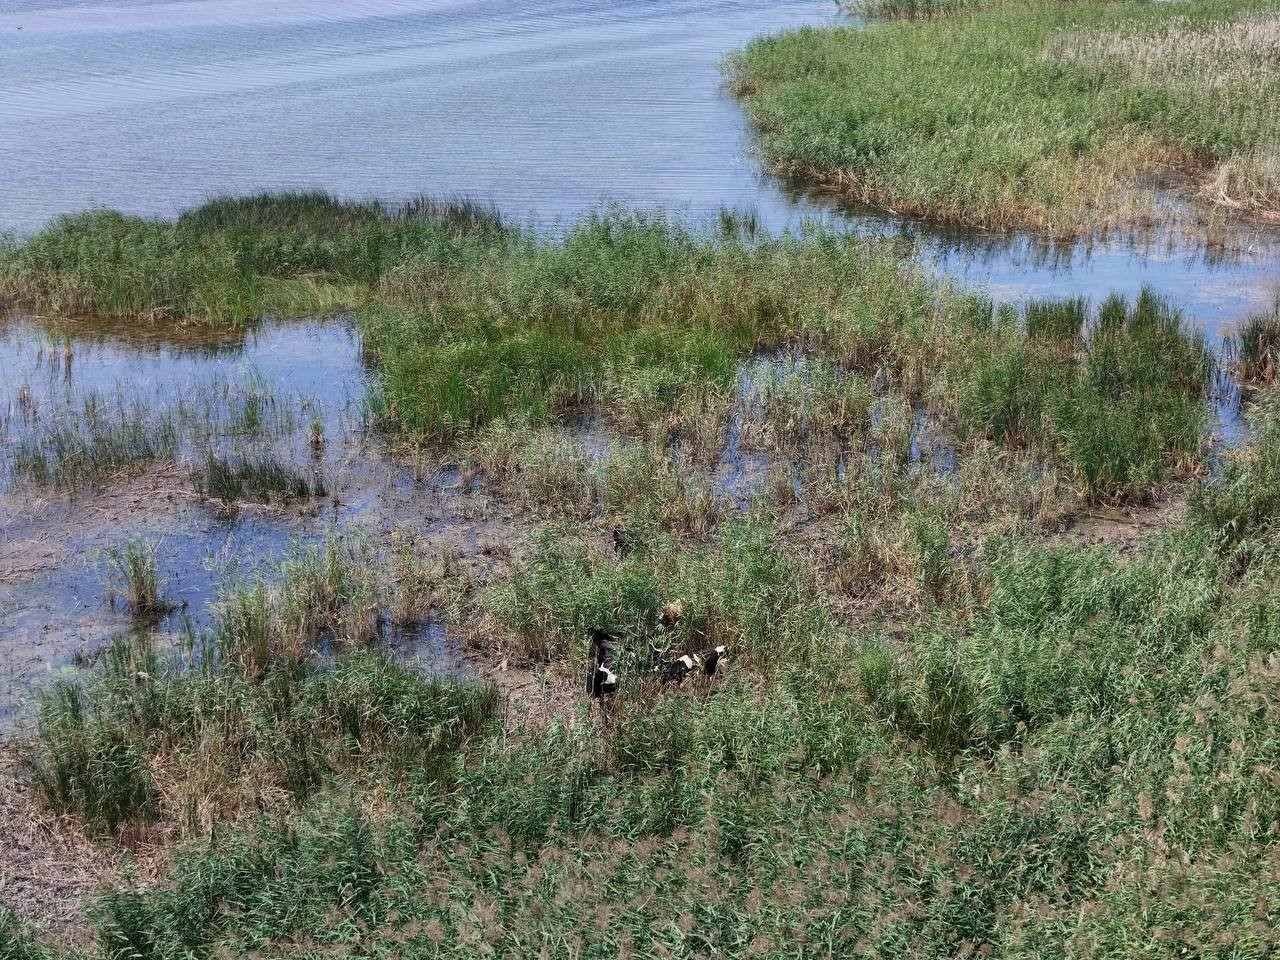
[
  {"x": 53, "y": 609},
  {"x": 546, "y": 107}
]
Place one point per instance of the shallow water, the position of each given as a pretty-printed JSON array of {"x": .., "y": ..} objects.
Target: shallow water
[
  {"x": 545, "y": 107},
  {"x": 54, "y": 610}
]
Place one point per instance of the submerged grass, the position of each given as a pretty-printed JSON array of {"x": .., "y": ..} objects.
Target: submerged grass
[
  {"x": 1028, "y": 113},
  {"x": 78, "y": 446},
  {"x": 261, "y": 478},
  {"x": 73, "y": 441}
]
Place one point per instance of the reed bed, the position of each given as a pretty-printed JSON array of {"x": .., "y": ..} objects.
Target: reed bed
[
  {"x": 1038, "y": 115},
  {"x": 938, "y": 731},
  {"x": 1120, "y": 396},
  {"x": 1079, "y": 764}
]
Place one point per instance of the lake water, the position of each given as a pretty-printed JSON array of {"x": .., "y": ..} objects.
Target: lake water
[{"x": 545, "y": 107}]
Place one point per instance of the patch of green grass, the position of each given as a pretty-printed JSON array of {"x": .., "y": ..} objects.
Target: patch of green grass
[
  {"x": 1027, "y": 113},
  {"x": 1120, "y": 398},
  {"x": 1256, "y": 348},
  {"x": 88, "y": 765},
  {"x": 133, "y": 576},
  {"x": 262, "y": 478},
  {"x": 640, "y": 313},
  {"x": 739, "y": 588},
  {"x": 234, "y": 259},
  {"x": 18, "y": 941}
]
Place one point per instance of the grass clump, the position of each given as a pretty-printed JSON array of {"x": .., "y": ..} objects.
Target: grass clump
[
  {"x": 231, "y": 260},
  {"x": 1030, "y": 114},
  {"x": 88, "y": 766},
  {"x": 1122, "y": 399},
  {"x": 262, "y": 478},
  {"x": 133, "y": 576},
  {"x": 1256, "y": 348},
  {"x": 319, "y": 593}
]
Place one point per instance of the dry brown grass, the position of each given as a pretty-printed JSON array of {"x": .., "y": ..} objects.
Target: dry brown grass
[{"x": 1228, "y": 67}]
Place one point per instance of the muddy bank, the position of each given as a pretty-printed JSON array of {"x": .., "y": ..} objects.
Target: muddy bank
[{"x": 49, "y": 870}]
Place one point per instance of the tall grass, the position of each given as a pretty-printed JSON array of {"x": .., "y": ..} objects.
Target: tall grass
[
  {"x": 625, "y": 308},
  {"x": 233, "y": 259},
  {"x": 132, "y": 575},
  {"x": 1241, "y": 504},
  {"x": 1033, "y": 114},
  {"x": 151, "y": 737},
  {"x": 912, "y": 9},
  {"x": 1256, "y": 348},
  {"x": 333, "y": 590},
  {"x": 1069, "y": 752},
  {"x": 1120, "y": 397},
  {"x": 737, "y": 590},
  {"x": 1079, "y": 768}
]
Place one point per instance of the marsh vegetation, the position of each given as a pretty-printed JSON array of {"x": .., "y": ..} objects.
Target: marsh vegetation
[
  {"x": 1062, "y": 118},
  {"x": 948, "y": 723}
]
